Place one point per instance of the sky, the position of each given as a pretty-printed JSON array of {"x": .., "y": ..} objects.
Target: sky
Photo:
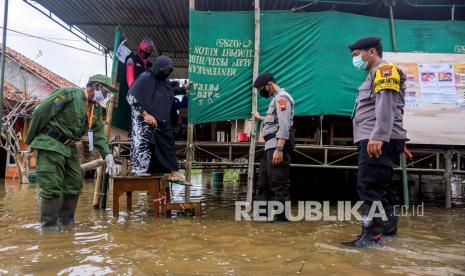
[{"x": 74, "y": 65}]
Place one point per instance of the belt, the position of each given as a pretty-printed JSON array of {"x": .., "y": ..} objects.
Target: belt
[
  {"x": 289, "y": 145},
  {"x": 269, "y": 136},
  {"x": 57, "y": 135}
]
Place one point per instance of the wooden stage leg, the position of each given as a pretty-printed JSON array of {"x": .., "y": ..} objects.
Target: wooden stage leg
[
  {"x": 129, "y": 200},
  {"x": 116, "y": 195},
  {"x": 156, "y": 203},
  {"x": 198, "y": 211}
]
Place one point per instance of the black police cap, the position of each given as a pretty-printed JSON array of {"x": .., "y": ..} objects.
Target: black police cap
[
  {"x": 365, "y": 43},
  {"x": 263, "y": 79}
]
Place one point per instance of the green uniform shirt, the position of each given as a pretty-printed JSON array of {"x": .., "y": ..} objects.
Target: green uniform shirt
[{"x": 65, "y": 111}]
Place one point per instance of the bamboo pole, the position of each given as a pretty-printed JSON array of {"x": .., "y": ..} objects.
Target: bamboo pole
[
  {"x": 448, "y": 178},
  {"x": 253, "y": 135},
  {"x": 392, "y": 27},
  {"x": 114, "y": 74},
  {"x": 2, "y": 62},
  {"x": 22, "y": 172},
  {"x": 190, "y": 138},
  {"x": 92, "y": 165},
  {"x": 403, "y": 160},
  {"x": 104, "y": 180}
]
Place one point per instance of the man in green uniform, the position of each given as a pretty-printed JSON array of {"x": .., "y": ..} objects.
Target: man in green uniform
[{"x": 57, "y": 123}]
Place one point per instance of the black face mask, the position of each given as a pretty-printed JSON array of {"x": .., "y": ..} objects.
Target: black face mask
[
  {"x": 264, "y": 93},
  {"x": 162, "y": 75},
  {"x": 145, "y": 55}
]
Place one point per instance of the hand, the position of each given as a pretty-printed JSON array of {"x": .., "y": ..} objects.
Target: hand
[
  {"x": 256, "y": 115},
  {"x": 277, "y": 157},
  {"x": 374, "y": 148},
  {"x": 149, "y": 119},
  {"x": 110, "y": 163},
  {"x": 187, "y": 85}
]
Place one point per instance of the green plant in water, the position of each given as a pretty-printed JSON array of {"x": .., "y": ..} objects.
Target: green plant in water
[{"x": 230, "y": 175}]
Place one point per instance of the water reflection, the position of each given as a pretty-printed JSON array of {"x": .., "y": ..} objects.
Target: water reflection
[{"x": 135, "y": 243}]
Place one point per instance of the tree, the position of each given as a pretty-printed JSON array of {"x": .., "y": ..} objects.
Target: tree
[{"x": 19, "y": 108}]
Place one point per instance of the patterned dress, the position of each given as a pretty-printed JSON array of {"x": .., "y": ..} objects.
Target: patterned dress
[{"x": 141, "y": 132}]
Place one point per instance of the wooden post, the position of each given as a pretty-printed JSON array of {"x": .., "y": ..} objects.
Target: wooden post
[
  {"x": 403, "y": 160},
  {"x": 3, "y": 58},
  {"x": 190, "y": 139},
  {"x": 106, "y": 63},
  {"x": 447, "y": 178},
  {"x": 392, "y": 25},
  {"x": 253, "y": 134},
  {"x": 107, "y": 130}
]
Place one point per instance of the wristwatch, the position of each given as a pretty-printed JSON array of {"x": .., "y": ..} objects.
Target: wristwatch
[{"x": 279, "y": 148}]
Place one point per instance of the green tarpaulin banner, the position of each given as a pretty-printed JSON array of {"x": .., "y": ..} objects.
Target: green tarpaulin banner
[
  {"x": 221, "y": 55},
  {"x": 307, "y": 52}
]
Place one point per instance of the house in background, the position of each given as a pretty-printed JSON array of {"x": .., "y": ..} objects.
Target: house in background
[{"x": 25, "y": 78}]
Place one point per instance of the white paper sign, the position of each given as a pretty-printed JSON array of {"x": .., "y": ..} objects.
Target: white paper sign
[{"x": 123, "y": 52}]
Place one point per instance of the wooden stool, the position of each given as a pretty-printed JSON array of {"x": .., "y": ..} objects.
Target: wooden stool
[
  {"x": 128, "y": 184},
  {"x": 167, "y": 206}
]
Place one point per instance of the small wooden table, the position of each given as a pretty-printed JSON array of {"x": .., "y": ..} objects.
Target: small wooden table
[{"x": 128, "y": 184}]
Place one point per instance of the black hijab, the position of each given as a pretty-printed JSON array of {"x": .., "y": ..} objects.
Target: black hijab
[{"x": 153, "y": 91}]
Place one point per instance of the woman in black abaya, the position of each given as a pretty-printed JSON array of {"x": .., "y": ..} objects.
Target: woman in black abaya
[{"x": 151, "y": 99}]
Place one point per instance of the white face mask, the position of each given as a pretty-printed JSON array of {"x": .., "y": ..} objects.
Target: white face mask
[
  {"x": 98, "y": 97},
  {"x": 106, "y": 100}
]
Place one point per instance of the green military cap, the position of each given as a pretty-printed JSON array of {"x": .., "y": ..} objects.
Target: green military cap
[{"x": 102, "y": 79}]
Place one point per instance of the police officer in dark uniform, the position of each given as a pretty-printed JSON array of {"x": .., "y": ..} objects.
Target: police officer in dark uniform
[
  {"x": 379, "y": 135},
  {"x": 279, "y": 142}
]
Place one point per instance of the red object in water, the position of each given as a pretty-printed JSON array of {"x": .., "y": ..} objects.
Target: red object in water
[{"x": 242, "y": 137}]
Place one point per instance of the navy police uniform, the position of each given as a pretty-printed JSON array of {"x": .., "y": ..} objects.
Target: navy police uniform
[
  {"x": 378, "y": 115},
  {"x": 273, "y": 183}
]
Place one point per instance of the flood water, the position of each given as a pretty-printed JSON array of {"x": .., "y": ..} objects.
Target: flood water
[{"x": 137, "y": 244}]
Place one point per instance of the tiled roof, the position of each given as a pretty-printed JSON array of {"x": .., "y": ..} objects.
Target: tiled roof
[
  {"x": 10, "y": 93},
  {"x": 38, "y": 69}
]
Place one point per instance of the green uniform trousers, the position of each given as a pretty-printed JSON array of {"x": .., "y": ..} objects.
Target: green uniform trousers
[{"x": 57, "y": 175}]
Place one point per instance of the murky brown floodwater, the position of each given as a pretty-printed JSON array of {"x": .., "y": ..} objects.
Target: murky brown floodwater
[{"x": 216, "y": 244}]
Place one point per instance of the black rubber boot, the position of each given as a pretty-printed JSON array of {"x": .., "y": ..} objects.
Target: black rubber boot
[
  {"x": 371, "y": 231},
  {"x": 274, "y": 217},
  {"x": 67, "y": 210},
  {"x": 390, "y": 226},
  {"x": 280, "y": 218},
  {"x": 48, "y": 212}
]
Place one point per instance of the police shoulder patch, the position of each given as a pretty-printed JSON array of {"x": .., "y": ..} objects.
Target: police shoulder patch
[
  {"x": 282, "y": 102},
  {"x": 387, "y": 77}
]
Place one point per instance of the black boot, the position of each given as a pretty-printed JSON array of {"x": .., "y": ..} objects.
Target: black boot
[
  {"x": 274, "y": 217},
  {"x": 371, "y": 231},
  {"x": 390, "y": 226},
  {"x": 67, "y": 210},
  {"x": 48, "y": 212},
  {"x": 280, "y": 218}
]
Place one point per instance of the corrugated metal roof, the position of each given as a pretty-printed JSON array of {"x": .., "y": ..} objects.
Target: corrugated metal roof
[
  {"x": 167, "y": 21},
  {"x": 164, "y": 21}
]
